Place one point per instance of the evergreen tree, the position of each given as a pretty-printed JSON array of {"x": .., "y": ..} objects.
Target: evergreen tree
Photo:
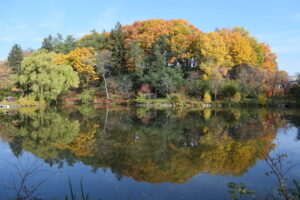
[
  {"x": 58, "y": 44},
  {"x": 162, "y": 78},
  {"x": 157, "y": 59},
  {"x": 61, "y": 45},
  {"x": 69, "y": 44},
  {"x": 48, "y": 43},
  {"x": 134, "y": 56},
  {"x": 15, "y": 58},
  {"x": 116, "y": 46}
]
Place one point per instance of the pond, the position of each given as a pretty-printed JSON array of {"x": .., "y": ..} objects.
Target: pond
[{"x": 143, "y": 153}]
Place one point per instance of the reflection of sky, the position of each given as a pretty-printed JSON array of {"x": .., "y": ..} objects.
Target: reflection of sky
[
  {"x": 287, "y": 140},
  {"x": 104, "y": 184}
]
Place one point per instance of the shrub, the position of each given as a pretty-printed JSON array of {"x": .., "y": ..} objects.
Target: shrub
[
  {"x": 28, "y": 101},
  {"x": 197, "y": 104},
  {"x": 230, "y": 89},
  {"x": 262, "y": 99},
  {"x": 236, "y": 98},
  {"x": 87, "y": 96},
  {"x": 6, "y": 92},
  {"x": 196, "y": 88},
  {"x": 249, "y": 102},
  {"x": 142, "y": 112},
  {"x": 141, "y": 98},
  {"x": 207, "y": 98},
  {"x": 271, "y": 103},
  {"x": 176, "y": 99}
]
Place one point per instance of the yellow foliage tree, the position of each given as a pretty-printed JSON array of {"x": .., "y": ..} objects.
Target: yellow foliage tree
[
  {"x": 262, "y": 99},
  {"x": 83, "y": 144},
  {"x": 83, "y": 61},
  {"x": 236, "y": 98},
  {"x": 211, "y": 52},
  {"x": 207, "y": 98},
  {"x": 240, "y": 49}
]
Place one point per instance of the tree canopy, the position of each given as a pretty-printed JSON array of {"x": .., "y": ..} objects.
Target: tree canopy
[{"x": 43, "y": 79}]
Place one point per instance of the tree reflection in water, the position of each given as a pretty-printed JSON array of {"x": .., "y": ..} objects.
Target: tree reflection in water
[{"x": 153, "y": 146}]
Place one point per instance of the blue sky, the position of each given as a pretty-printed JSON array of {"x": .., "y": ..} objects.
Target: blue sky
[{"x": 276, "y": 22}]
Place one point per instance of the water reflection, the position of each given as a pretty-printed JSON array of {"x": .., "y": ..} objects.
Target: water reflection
[{"x": 152, "y": 146}]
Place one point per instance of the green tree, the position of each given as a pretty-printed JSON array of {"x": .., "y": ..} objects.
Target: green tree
[
  {"x": 116, "y": 46},
  {"x": 134, "y": 56},
  {"x": 15, "y": 58},
  {"x": 48, "y": 43},
  {"x": 95, "y": 40},
  {"x": 65, "y": 45},
  {"x": 195, "y": 86},
  {"x": 42, "y": 132},
  {"x": 43, "y": 79},
  {"x": 162, "y": 79},
  {"x": 230, "y": 88},
  {"x": 58, "y": 44}
]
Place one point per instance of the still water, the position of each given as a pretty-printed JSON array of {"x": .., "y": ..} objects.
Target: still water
[{"x": 138, "y": 153}]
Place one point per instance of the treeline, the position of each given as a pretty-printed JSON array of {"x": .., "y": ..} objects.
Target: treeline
[{"x": 151, "y": 59}]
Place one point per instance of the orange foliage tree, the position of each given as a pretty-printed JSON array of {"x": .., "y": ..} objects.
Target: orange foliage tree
[
  {"x": 179, "y": 33},
  {"x": 269, "y": 62}
]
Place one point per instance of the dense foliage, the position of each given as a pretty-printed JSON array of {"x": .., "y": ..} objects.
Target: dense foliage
[
  {"x": 40, "y": 77},
  {"x": 159, "y": 57}
]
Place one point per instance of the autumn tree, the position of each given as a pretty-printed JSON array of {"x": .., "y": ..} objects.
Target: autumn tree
[
  {"x": 240, "y": 49},
  {"x": 15, "y": 58},
  {"x": 269, "y": 62},
  {"x": 83, "y": 61},
  {"x": 211, "y": 52},
  {"x": 179, "y": 35}
]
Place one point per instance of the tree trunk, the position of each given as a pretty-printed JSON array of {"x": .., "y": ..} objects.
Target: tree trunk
[{"x": 105, "y": 84}]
